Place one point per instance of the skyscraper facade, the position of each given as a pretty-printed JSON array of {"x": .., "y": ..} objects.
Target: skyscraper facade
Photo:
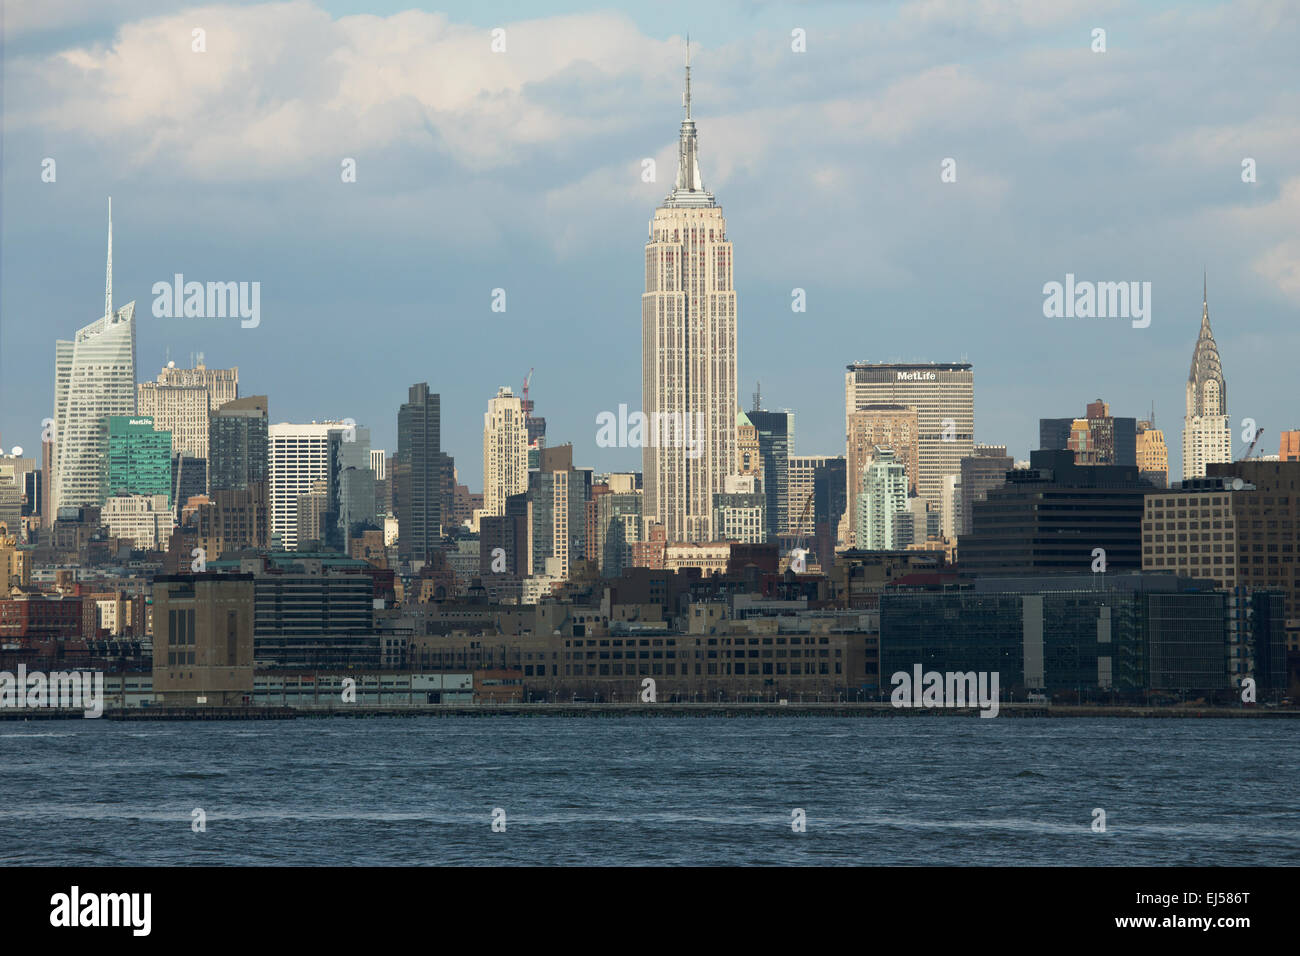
[
  {"x": 505, "y": 451},
  {"x": 775, "y": 440},
  {"x": 884, "y": 495},
  {"x": 1152, "y": 455},
  {"x": 688, "y": 339},
  {"x": 299, "y": 456},
  {"x": 418, "y": 467},
  {"x": 943, "y": 395},
  {"x": 884, "y": 425},
  {"x": 94, "y": 377},
  {"x": 182, "y": 410},
  {"x": 222, "y": 384},
  {"x": 137, "y": 458},
  {"x": 238, "y": 446},
  {"x": 1207, "y": 433}
]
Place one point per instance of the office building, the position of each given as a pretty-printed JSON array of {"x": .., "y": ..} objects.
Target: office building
[
  {"x": 883, "y": 495},
  {"x": 883, "y": 425},
  {"x": 299, "y": 456},
  {"x": 984, "y": 468},
  {"x": 239, "y": 445},
  {"x": 94, "y": 379},
  {"x": 1130, "y": 634},
  {"x": 1096, "y": 439},
  {"x": 1152, "y": 454},
  {"x": 689, "y": 342},
  {"x": 182, "y": 410},
  {"x": 943, "y": 395},
  {"x": 557, "y": 504},
  {"x": 221, "y": 384},
  {"x": 801, "y": 478},
  {"x": 418, "y": 479},
  {"x": 739, "y": 512},
  {"x": 137, "y": 458},
  {"x": 145, "y": 519},
  {"x": 505, "y": 451},
  {"x": 775, "y": 432},
  {"x": 1054, "y": 516}
]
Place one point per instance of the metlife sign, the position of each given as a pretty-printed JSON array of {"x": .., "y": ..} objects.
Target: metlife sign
[{"x": 916, "y": 376}]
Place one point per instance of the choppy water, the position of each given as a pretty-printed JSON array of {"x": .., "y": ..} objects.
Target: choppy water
[{"x": 891, "y": 791}]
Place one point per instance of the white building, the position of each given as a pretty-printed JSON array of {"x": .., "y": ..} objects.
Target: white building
[
  {"x": 1207, "y": 433},
  {"x": 688, "y": 341},
  {"x": 94, "y": 377},
  {"x": 884, "y": 494},
  {"x": 146, "y": 519},
  {"x": 505, "y": 451},
  {"x": 298, "y": 456}
]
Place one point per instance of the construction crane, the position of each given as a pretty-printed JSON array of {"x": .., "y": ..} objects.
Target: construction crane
[
  {"x": 803, "y": 517},
  {"x": 527, "y": 379},
  {"x": 1254, "y": 441}
]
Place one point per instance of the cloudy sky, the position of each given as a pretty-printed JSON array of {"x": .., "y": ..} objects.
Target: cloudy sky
[{"x": 521, "y": 170}]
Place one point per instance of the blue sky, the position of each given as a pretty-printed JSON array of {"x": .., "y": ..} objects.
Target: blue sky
[{"x": 521, "y": 171}]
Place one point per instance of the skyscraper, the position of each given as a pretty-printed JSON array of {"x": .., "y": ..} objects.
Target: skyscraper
[
  {"x": 238, "y": 446},
  {"x": 505, "y": 451},
  {"x": 1207, "y": 434},
  {"x": 94, "y": 377},
  {"x": 775, "y": 439},
  {"x": 943, "y": 395},
  {"x": 222, "y": 384},
  {"x": 688, "y": 340},
  {"x": 885, "y": 425},
  {"x": 182, "y": 410},
  {"x": 883, "y": 495},
  {"x": 1096, "y": 439},
  {"x": 299, "y": 456},
  {"x": 418, "y": 475}
]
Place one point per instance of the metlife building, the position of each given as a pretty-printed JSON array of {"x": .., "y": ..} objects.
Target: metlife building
[{"x": 943, "y": 395}]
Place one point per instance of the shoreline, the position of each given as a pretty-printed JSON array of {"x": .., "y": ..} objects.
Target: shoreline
[{"x": 678, "y": 710}]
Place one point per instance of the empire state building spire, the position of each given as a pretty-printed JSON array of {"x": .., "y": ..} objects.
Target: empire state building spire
[{"x": 688, "y": 190}]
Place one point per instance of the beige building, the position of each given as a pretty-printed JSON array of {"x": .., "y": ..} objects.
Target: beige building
[
  {"x": 943, "y": 395},
  {"x": 505, "y": 451},
  {"x": 883, "y": 425},
  {"x": 1152, "y": 454},
  {"x": 688, "y": 342},
  {"x": 709, "y": 556},
  {"x": 183, "y": 410},
  {"x": 801, "y": 472},
  {"x": 749, "y": 460},
  {"x": 222, "y": 384},
  {"x": 15, "y": 565},
  {"x": 203, "y": 639},
  {"x": 146, "y": 519}
]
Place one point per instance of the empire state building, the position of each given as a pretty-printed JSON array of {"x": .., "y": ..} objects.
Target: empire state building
[{"x": 688, "y": 358}]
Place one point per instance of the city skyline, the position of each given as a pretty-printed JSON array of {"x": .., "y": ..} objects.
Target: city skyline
[{"x": 1027, "y": 366}]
